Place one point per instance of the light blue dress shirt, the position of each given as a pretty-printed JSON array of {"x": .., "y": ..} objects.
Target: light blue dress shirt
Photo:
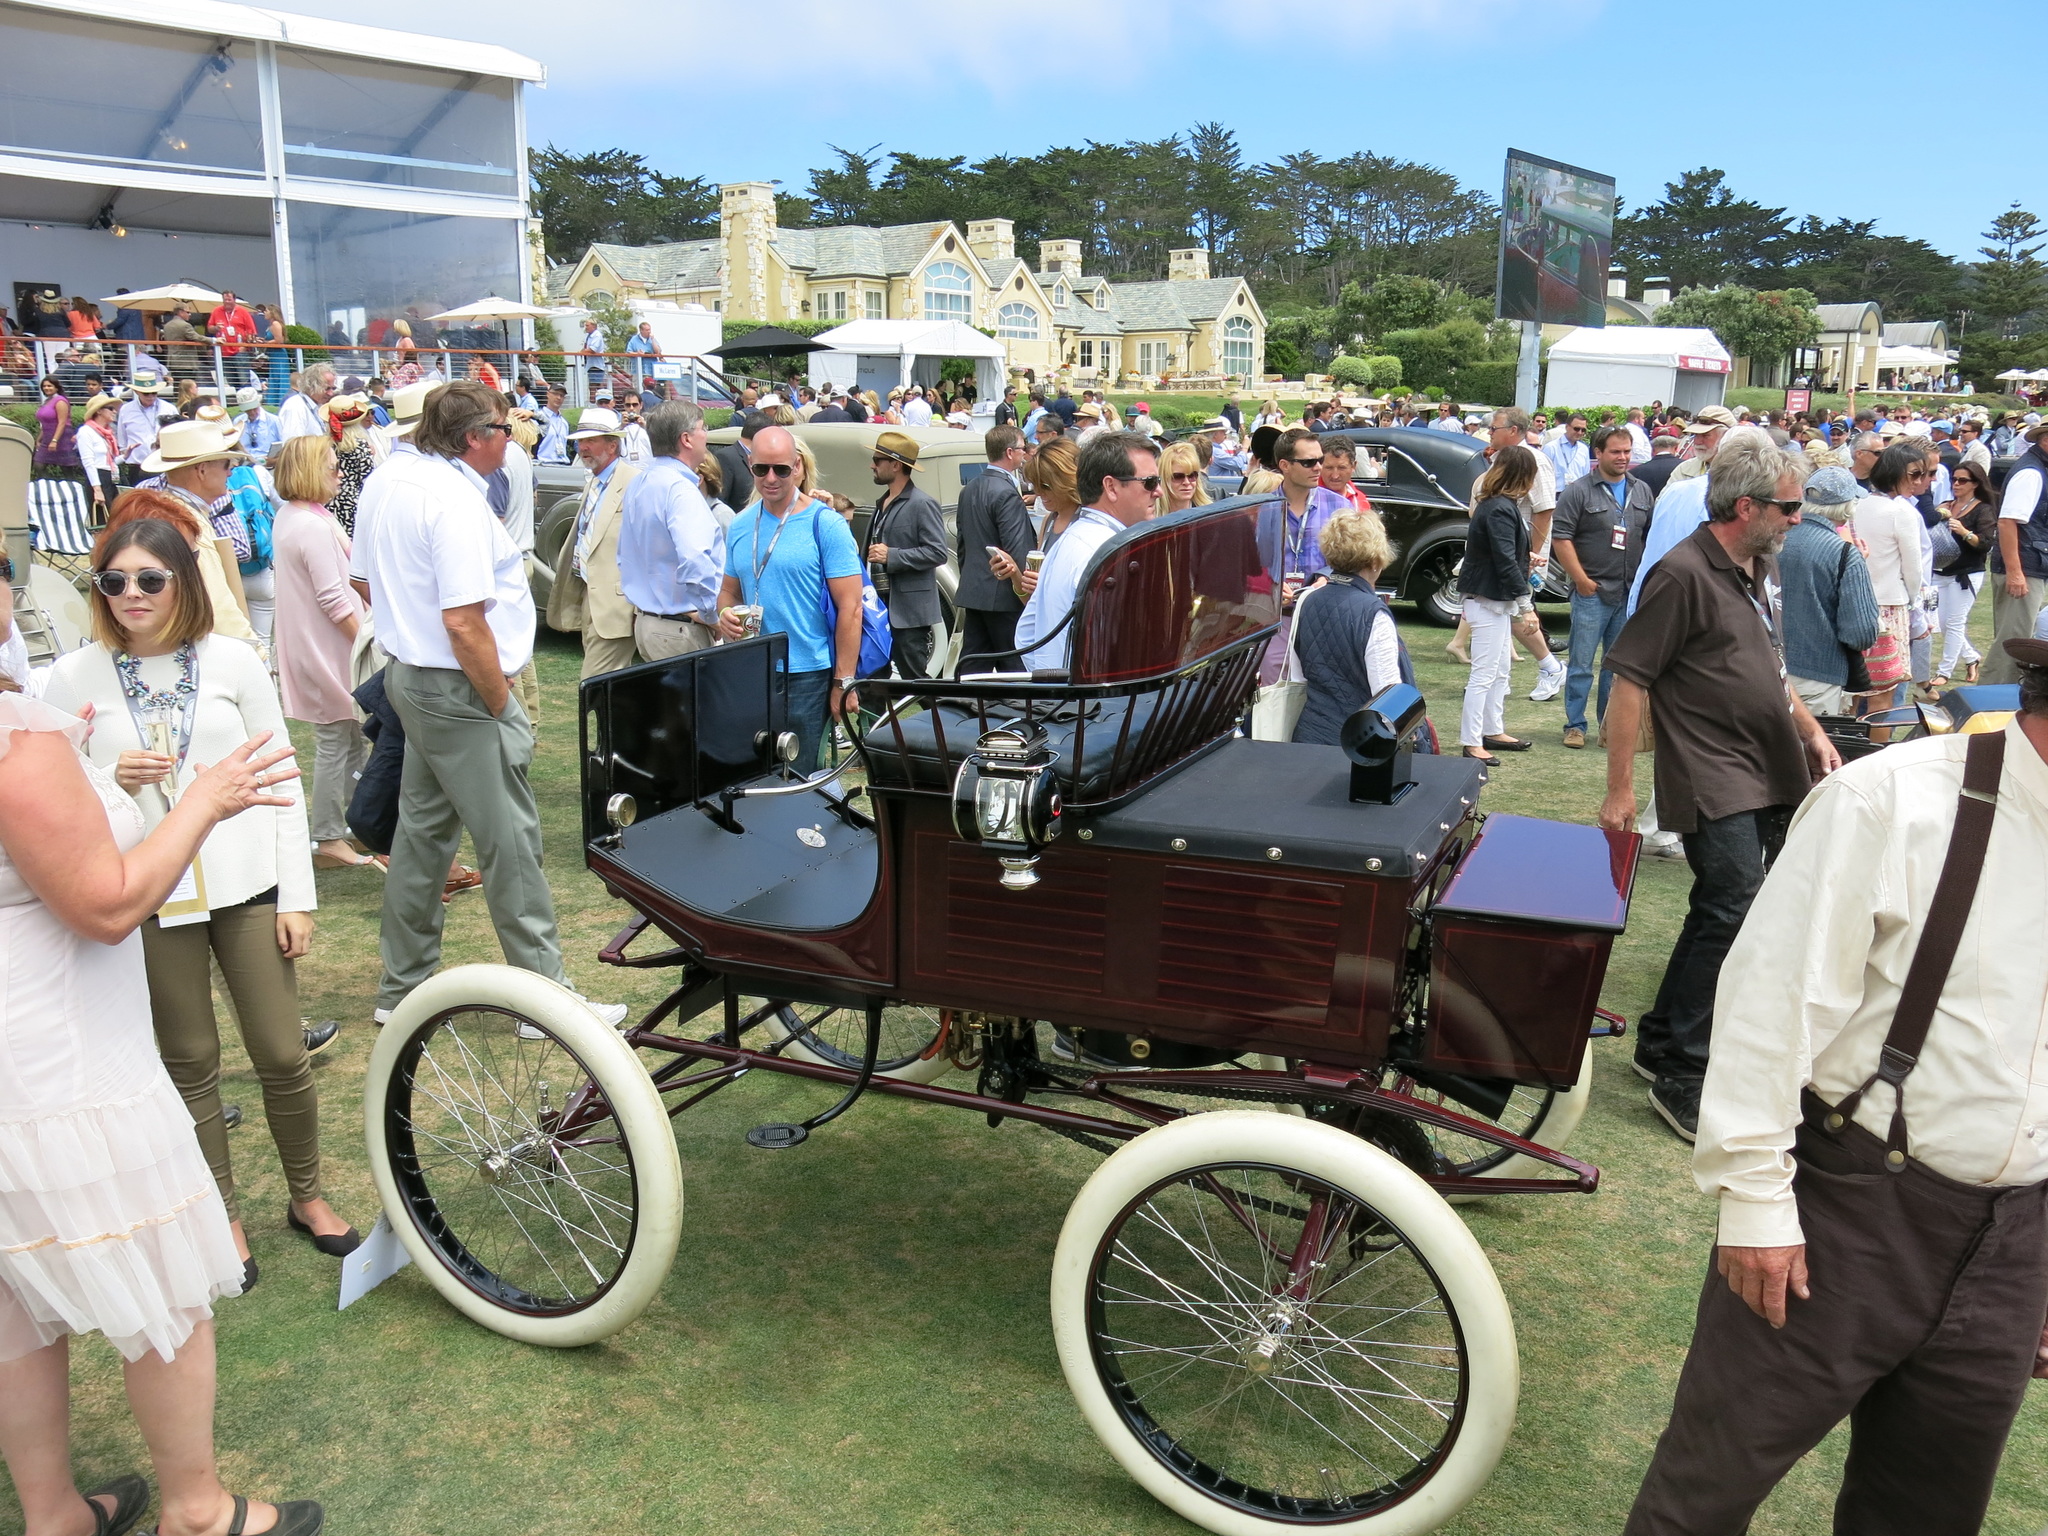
[
  {"x": 671, "y": 549},
  {"x": 1682, "y": 508},
  {"x": 1569, "y": 460},
  {"x": 1059, "y": 580},
  {"x": 259, "y": 433},
  {"x": 554, "y": 437}
]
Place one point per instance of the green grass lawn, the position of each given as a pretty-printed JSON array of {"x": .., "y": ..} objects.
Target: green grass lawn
[{"x": 855, "y": 1334}]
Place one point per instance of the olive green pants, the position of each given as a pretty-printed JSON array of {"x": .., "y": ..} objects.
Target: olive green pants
[{"x": 265, "y": 990}]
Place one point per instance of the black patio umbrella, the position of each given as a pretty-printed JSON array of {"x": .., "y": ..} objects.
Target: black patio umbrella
[{"x": 768, "y": 341}]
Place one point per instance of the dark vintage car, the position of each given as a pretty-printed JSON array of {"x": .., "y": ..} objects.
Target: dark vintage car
[{"x": 1421, "y": 485}]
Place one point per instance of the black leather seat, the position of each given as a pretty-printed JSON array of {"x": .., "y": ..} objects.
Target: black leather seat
[{"x": 917, "y": 763}]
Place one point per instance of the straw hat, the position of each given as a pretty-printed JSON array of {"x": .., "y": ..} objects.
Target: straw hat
[
  {"x": 99, "y": 403},
  {"x": 348, "y": 410},
  {"x": 248, "y": 397},
  {"x": 597, "y": 422},
  {"x": 184, "y": 443},
  {"x": 146, "y": 382},
  {"x": 407, "y": 404},
  {"x": 898, "y": 446}
]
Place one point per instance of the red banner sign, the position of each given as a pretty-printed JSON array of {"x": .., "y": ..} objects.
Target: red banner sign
[{"x": 1797, "y": 400}]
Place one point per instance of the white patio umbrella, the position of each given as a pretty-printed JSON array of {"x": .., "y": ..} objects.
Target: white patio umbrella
[
  {"x": 163, "y": 300},
  {"x": 504, "y": 311}
]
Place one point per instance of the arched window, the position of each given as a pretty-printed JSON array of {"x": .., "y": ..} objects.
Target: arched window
[
  {"x": 1237, "y": 347},
  {"x": 1017, "y": 321},
  {"x": 948, "y": 292}
]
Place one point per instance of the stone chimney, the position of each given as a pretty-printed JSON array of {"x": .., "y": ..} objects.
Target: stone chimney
[
  {"x": 993, "y": 240},
  {"x": 1617, "y": 284},
  {"x": 746, "y": 225},
  {"x": 1060, "y": 256},
  {"x": 1656, "y": 292},
  {"x": 1190, "y": 266}
]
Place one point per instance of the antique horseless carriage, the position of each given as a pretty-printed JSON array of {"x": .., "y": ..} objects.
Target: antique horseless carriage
[{"x": 1302, "y": 996}]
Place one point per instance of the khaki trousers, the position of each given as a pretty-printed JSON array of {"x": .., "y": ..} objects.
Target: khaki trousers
[
  {"x": 464, "y": 767},
  {"x": 265, "y": 990},
  {"x": 527, "y": 686},
  {"x": 2012, "y": 618},
  {"x": 601, "y": 654},
  {"x": 660, "y": 638}
]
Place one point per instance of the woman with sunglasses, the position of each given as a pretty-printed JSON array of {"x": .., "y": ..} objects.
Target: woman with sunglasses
[
  {"x": 1889, "y": 525},
  {"x": 1973, "y": 519},
  {"x": 168, "y": 694},
  {"x": 1180, "y": 479}
]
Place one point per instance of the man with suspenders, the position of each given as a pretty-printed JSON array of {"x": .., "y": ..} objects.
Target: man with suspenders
[{"x": 1875, "y": 1125}]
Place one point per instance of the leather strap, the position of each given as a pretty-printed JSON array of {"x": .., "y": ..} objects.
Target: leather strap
[
  {"x": 241, "y": 1518},
  {"x": 1935, "y": 954}
]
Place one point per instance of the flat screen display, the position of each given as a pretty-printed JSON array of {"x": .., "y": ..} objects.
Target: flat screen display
[{"x": 1556, "y": 234}]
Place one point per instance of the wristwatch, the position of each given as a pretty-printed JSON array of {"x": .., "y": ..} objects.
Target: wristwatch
[{"x": 843, "y": 683}]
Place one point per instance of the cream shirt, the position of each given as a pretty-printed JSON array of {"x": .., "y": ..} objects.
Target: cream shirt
[{"x": 1809, "y": 987}]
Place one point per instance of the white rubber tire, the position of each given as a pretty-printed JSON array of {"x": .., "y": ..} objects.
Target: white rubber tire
[
  {"x": 923, "y": 1070},
  {"x": 636, "y": 1103},
  {"x": 1567, "y": 1109},
  {"x": 1493, "y": 1367}
]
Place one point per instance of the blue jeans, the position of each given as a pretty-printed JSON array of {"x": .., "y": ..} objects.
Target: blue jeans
[
  {"x": 810, "y": 707},
  {"x": 1595, "y": 626}
]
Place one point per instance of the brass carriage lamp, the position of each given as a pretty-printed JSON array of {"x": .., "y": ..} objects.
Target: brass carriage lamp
[{"x": 1006, "y": 798}]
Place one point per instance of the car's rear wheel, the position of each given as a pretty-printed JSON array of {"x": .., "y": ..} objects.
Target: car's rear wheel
[{"x": 1433, "y": 584}]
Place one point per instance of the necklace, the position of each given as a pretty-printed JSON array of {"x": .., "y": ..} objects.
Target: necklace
[{"x": 153, "y": 709}]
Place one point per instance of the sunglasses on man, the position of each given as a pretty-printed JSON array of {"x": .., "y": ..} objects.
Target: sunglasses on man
[
  {"x": 763, "y": 471},
  {"x": 148, "y": 581},
  {"x": 1150, "y": 482}
]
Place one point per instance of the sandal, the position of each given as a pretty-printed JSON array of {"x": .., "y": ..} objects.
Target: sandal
[
  {"x": 131, "y": 1497},
  {"x": 330, "y": 861},
  {"x": 1478, "y": 756},
  {"x": 1970, "y": 673}
]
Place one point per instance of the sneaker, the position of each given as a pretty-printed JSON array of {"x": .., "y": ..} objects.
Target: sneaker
[
  {"x": 380, "y": 1017},
  {"x": 1677, "y": 1103},
  {"x": 1671, "y": 850},
  {"x": 1642, "y": 1065},
  {"x": 1549, "y": 681},
  {"x": 320, "y": 1036},
  {"x": 1574, "y": 737},
  {"x": 611, "y": 1014}
]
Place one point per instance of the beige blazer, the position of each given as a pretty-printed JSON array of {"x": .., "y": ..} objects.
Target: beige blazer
[{"x": 594, "y": 601}]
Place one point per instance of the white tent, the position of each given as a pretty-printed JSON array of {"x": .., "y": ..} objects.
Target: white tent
[
  {"x": 882, "y": 354},
  {"x": 1636, "y": 364},
  {"x": 1918, "y": 358}
]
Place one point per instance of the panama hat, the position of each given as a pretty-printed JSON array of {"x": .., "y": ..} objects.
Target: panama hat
[
  {"x": 898, "y": 446},
  {"x": 597, "y": 422},
  {"x": 407, "y": 404},
  {"x": 248, "y": 398},
  {"x": 146, "y": 383},
  {"x": 184, "y": 443}
]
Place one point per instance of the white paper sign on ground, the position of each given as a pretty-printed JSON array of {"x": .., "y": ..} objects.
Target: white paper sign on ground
[{"x": 380, "y": 1257}]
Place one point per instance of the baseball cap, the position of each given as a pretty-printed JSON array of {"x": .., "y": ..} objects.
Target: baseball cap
[{"x": 1832, "y": 487}]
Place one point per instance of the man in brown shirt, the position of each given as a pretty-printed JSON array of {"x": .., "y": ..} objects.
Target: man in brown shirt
[{"x": 1736, "y": 749}]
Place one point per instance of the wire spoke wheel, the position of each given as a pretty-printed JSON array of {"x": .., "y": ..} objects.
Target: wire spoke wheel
[
  {"x": 524, "y": 1156},
  {"x": 912, "y": 1042},
  {"x": 1546, "y": 1116},
  {"x": 1274, "y": 1325}
]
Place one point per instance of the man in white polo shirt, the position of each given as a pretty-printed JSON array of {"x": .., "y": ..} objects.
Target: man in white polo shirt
[{"x": 453, "y": 609}]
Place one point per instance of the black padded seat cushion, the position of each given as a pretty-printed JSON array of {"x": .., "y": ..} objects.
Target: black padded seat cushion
[{"x": 917, "y": 763}]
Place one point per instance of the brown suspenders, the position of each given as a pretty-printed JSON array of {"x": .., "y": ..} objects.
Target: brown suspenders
[{"x": 1936, "y": 953}]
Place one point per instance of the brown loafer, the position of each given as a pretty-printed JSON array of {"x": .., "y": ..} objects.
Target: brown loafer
[
  {"x": 468, "y": 880},
  {"x": 1574, "y": 738}
]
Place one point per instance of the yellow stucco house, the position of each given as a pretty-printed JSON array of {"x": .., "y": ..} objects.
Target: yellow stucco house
[{"x": 1055, "y": 322}]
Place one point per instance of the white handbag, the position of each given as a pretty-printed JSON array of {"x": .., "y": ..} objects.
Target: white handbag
[{"x": 1276, "y": 708}]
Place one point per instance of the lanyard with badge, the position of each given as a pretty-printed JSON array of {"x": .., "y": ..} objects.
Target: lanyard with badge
[
  {"x": 1619, "y": 491},
  {"x": 761, "y": 557},
  {"x": 163, "y": 721}
]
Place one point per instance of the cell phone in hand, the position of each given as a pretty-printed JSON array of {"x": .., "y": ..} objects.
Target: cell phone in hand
[{"x": 994, "y": 550}]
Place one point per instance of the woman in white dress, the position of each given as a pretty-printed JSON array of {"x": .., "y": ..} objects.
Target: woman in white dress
[{"x": 109, "y": 1218}]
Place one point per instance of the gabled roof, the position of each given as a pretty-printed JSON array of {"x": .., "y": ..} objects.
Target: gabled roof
[
  {"x": 685, "y": 264},
  {"x": 1196, "y": 298},
  {"x": 860, "y": 250},
  {"x": 1086, "y": 320}
]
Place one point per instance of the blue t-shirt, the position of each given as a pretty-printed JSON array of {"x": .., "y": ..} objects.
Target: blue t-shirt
[{"x": 814, "y": 544}]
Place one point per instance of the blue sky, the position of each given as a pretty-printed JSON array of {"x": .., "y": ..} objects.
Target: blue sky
[{"x": 1819, "y": 109}]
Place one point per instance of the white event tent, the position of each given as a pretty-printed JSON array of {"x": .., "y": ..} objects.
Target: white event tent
[
  {"x": 882, "y": 354},
  {"x": 1636, "y": 364}
]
